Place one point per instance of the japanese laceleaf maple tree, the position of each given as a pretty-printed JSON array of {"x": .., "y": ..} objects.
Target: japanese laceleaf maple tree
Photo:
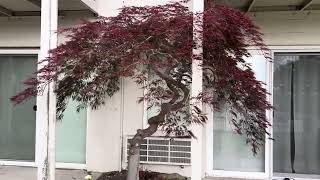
[{"x": 153, "y": 46}]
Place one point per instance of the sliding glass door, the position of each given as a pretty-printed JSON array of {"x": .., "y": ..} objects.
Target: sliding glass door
[
  {"x": 17, "y": 123},
  {"x": 296, "y": 122}
]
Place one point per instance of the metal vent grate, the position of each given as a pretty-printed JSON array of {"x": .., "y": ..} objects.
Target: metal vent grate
[{"x": 157, "y": 150}]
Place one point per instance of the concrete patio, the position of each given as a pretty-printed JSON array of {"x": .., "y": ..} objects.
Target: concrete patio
[{"x": 30, "y": 173}]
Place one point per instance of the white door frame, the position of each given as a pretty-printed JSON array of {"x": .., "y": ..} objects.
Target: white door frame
[
  {"x": 290, "y": 49},
  {"x": 17, "y": 162},
  {"x": 268, "y": 174},
  {"x": 35, "y": 52}
]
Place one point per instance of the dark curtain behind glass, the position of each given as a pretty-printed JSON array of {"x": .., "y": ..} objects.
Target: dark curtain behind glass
[
  {"x": 17, "y": 123},
  {"x": 296, "y": 128}
]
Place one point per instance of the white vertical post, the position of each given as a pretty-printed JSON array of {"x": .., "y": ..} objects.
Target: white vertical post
[
  {"x": 47, "y": 117},
  {"x": 196, "y": 88},
  {"x": 52, "y": 97}
]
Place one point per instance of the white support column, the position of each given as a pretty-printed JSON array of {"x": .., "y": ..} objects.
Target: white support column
[
  {"x": 196, "y": 88},
  {"x": 47, "y": 116}
]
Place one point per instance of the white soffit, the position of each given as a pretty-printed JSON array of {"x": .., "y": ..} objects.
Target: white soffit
[
  {"x": 19, "y": 5},
  {"x": 239, "y": 4},
  {"x": 72, "y": 5},
  {"x": 279, "y": 2},
  {"x": 91, "y": 4},
  {"x": 32, "y": 7},
  {"x": 272, "y": 5}
]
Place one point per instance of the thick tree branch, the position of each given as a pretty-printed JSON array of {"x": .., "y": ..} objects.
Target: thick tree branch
[
  {"x": 166, "y": 108},
  {"x": 170, "y": 81}
]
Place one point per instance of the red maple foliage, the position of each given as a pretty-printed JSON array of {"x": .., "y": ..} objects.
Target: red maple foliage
[{"x": 153, "y": 46}]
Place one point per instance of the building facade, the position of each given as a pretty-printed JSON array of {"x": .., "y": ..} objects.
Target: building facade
[{"x": 97, "y": 140}]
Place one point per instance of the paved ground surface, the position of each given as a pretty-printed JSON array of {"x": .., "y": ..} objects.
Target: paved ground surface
[
  {"x": 225, "y": 178},
  {"x": 28, "y": 173}
]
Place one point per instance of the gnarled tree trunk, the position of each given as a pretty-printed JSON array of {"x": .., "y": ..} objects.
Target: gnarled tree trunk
[
  {"x": 134, "y": 150},
  {"x": 174, "y": 104},
  {"x": 133, "y": 162}
]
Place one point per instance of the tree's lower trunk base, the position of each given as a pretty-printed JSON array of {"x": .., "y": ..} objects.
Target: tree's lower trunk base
[
  {"x": 144, "y": 175},
  {"x": 133, "y": 162},
  {"x": 134, "y": 149}
]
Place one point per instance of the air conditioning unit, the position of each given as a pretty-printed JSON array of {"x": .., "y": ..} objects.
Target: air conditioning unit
[{"x": 160, "y": 150}]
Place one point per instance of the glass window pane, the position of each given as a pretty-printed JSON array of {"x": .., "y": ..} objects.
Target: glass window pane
[
  {"x": 296, "y": 126},
  {"x": 230, "y": 151},
  {"x": 17, "y": 123},
  {"x": 71, "y": 135}
]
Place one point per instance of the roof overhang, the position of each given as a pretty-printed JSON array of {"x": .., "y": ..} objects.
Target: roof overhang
[
  {"x": 271, "y": 5},
  {"x": 91, "y": 4},
  {"x": 12, "y": 8}
]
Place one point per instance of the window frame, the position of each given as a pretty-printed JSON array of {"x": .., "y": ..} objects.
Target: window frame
[
  {"x": 209, "y": 144},
  {"x": 38, "y": 139},
  {"x": 268, "y": 173}
]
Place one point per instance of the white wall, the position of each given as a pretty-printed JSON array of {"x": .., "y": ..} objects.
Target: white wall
[
  {"x": 286, "y": 29},
  {"x": 103, "y": 136},
  {"x": 25, "y": 31},
  {"x": 132, "y": 118},
  {"x": 20, "y": 32},
  {"x": 110, "y": 8},
  {"x": 107, "y": 127},
  {"x": 289, "y": 28},
  {"x": 103, "y": 129}
]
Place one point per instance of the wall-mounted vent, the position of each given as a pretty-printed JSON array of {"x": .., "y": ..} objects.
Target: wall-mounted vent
[{"x": 158, "y": 150}]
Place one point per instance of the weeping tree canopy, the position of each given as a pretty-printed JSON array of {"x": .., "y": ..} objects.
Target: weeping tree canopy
[{"x": 153, "y": 45}]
